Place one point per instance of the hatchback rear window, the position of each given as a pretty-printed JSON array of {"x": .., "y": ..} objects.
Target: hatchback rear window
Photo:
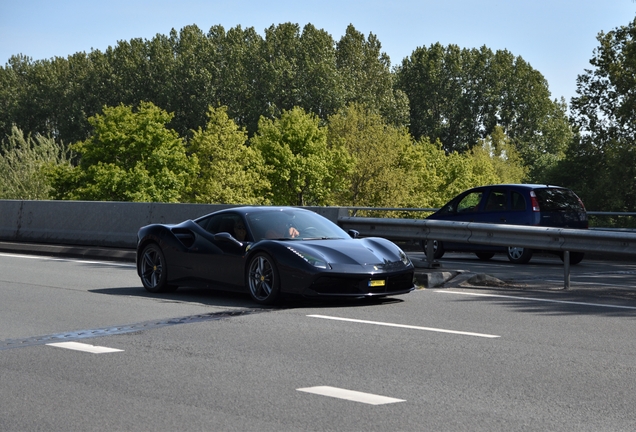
[{"x": 551, "y": 199}]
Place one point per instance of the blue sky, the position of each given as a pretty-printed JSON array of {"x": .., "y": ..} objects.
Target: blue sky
[{"x": 557, "y": 37}]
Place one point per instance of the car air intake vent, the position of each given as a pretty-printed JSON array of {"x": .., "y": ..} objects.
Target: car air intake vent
[{"x": 185, "y": 236}]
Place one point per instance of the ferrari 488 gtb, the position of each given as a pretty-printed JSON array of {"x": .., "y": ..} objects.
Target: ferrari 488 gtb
[{"x": 270, "y": 251}]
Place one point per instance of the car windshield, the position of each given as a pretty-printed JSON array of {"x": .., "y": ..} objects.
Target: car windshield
[
  {"x": 292, "y": 224},
  {"x": 553, "y": 199}
]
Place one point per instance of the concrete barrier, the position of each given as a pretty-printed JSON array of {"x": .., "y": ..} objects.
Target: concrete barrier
[
  {"x": 100, "y": 223},
  {"x": 111, "y": 224}
]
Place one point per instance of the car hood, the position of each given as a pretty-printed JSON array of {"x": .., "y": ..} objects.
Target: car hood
[{"x": 377, "y": 253}]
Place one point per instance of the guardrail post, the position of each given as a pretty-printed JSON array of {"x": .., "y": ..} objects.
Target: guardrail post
[
  {"x": 566, "y": 269},
  {"x": 430, "y": 255}
]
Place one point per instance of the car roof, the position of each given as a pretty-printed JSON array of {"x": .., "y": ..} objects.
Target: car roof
[
  {"x": 264, "y": 209},
  {"x": 255, "y": 209},
  {"x": 520, "y": 186}
]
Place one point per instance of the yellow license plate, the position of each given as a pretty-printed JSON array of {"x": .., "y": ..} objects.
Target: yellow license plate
[{"x": 377, "y": 283}]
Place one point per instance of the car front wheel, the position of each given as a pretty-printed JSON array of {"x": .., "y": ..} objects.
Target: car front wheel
[
  {"x": 262, "y": 279},
  {"x": 519, "y": 255},
  {"x": 153, "y": 270}
]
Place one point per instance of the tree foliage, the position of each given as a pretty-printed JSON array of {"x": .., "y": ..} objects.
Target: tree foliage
[
  {"x": 367, "y": 79},
  {"x": 230, "y": 172},
  {"x": 185, "y": 72},
  {"x": 391, "y": 169},
  {"x": 459, "y": 96},
  {"x": 380, "y": 172},
  {"x": 306, "y": 119},
  {"x": 131, "y": 156},
  {"x": 501, "y": 154},
  {"x": 24, "y": 162},
  {"x": 601, "y": 162},
  {"x": 303, "y": 170}
]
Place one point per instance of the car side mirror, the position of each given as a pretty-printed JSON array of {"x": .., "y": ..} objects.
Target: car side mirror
[
  {"x": 227, "y": 237},
  {"x": 353, "y": 233}
]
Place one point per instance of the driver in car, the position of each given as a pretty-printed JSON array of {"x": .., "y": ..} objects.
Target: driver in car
[{"x": 282, "y": 231}]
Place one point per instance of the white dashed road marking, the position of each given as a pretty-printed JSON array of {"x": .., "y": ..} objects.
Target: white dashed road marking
[
  {"x": 351, "y": 395},
  {"x": 84, "y": 347},
  {"x": 431, "y": 329}
]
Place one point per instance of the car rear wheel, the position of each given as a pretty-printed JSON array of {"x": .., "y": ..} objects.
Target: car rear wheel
[
  {"x": 438, "y": 248},
  {"x": 262, "y": 279},
  {"x": 153, "y": 270},
  {"x": 484, "y": 256},
  {"x": 519, "y": 255}
]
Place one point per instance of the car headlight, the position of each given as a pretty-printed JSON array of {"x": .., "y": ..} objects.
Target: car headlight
[
  {"x": 314, "y": 261},
  {"x": 404, "y": 258}
]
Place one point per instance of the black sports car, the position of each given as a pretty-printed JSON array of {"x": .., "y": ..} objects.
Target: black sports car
[{"x": 269, "y": 251}]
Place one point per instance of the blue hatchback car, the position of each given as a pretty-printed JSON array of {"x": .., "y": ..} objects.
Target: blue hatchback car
[{"x": 515, "y": 204}]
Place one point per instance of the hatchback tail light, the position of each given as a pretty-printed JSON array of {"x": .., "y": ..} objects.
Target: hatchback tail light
[{"x": 534, "y": 202}]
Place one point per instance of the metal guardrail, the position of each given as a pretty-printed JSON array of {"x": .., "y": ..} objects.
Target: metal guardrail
[
  {"x": 353, "y": 211},
  {"x": 433, "y": 210},
  {"x": 556, "y": 239},
  {"x": 604, "y": 213}
]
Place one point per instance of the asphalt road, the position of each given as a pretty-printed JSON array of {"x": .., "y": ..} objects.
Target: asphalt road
[{"x": 459, "y": 359}]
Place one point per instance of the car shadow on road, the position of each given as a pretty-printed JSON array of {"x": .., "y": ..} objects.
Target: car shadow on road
[
  {"x": 223, "y": 298},
  {"x": 208, "y": 297}
]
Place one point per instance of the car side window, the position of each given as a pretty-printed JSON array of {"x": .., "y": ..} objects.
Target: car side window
[
  {"x": 518, "y": 201},
  {"x": 497, "y": 201},
  {"x": 203, "y": 223},
  {"x": 227, "y": 222},
  {"x": 470, "y": 202},
  {"x": 212, "y": 223}
]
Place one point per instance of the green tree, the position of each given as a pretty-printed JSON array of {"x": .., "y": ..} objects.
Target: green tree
[
  {"x": 295, "y": 69},
  {"x": 229, "y": 170},
  {"x": 194, "y": 81},
  {"x": 437, "y": 176},
  {"x": 10, "y": 89},
  {"x": 601, "y": 162},
  {"x": 239, "y": 80},
  {"x": 24, "y": 163},
  {"x": 459, "y": 96},
  {"x": 186, "y": 71},
  {"x": 30, "y": 97},
  {"x": 380, "y": 174},
  {"x": 367, "y": 78},
  {"x": 390, "y": 169},
  {"x": 434, "y": 82},
  {"x": 131, "y": 156},
  {"x": 502, "y": 155},
  {"x": 303, "y": 169}
]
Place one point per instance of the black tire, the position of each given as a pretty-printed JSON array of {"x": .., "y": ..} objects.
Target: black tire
[
  {"x": 484, "y": 256},
  {"x": 438, "y": 248},
  {"x": 262, "y": 279},
  {"x": 519, "y": 255},
  {"x": 575, "y": 257},
  {"x": 153, "y": 270}
]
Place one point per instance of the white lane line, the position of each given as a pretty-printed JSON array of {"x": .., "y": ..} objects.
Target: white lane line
[
  {"x": 84, "y": 347},
  {"x": 46, "y": 258},
  {"x": 405, "y": 326},
  {"x": 538, "y": 299},
  {"x": 356, "y": 396}
]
